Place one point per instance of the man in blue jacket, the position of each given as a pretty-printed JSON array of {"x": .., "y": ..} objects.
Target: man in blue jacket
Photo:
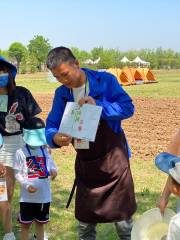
[{"x": 105, "y": 190}]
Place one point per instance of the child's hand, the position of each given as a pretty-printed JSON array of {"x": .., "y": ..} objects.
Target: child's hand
[
  {"x": 162, "y": 204},
  {"x": 2, "y": 171},
  {"x": 32, "y": 189},
  {"x": 53, "y": 174}
]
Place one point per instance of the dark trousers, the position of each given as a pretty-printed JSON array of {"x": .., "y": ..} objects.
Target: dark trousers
[{"x": 87, "y": 231}]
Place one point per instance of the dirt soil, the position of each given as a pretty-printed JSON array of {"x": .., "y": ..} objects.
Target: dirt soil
[{"x": 150, "y": 129}]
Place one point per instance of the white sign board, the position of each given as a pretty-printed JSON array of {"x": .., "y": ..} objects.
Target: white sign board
[{"x": 80, "y": 122}]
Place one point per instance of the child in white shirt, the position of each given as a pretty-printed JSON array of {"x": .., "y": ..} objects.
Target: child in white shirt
[
  {"x": 170, "y": 164},
  {"x": 33, "y": 166}
]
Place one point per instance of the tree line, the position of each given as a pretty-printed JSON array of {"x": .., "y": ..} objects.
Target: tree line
[{"x": 32, "y": 58}]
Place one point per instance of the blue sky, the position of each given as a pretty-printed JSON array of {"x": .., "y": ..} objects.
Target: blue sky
[{"x": 122, "y": 24}]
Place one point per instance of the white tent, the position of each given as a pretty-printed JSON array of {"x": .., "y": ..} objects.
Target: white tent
[
  {"x": 88, "y": 61},
  {"x": 139, "y": 61},
  {"x": 97, "y": 60},
  {"x": 91, "y": 62},
  {"x": 125, "y": 60}
]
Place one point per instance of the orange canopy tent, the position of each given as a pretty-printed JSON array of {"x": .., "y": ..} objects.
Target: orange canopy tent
[
  {"x": 127, "y": 76},
  {"x": 148, "y": 75},
  {"x": 139, "y": 76},
  {"x": 116, "y": 72},
  {"x": 131, "y": 76}
]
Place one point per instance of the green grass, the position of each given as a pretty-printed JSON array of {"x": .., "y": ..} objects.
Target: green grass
[
  {"x": 148, "y": 180},
  {"x": 148, "y": 185},
  {"x": 168, "y": 86},
  {"x": 37, "y": 84}
]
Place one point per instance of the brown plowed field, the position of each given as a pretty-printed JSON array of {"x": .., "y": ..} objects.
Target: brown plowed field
[{"x": 148, "y": 131}]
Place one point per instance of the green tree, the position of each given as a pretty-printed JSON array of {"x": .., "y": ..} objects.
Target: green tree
[
  {"x": 4, "y": 53},
  {"x": 17, "y": 51},
  {"x": 97, "y": 52},
  {"x": 29, "y": 64},
  {"x": 39, "y": 48},
  {"x": 81, "y": 55}
]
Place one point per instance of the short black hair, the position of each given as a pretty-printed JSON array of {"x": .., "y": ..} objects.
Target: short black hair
[{"x": 59, "y": 55}]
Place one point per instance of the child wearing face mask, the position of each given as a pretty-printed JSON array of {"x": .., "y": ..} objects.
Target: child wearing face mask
[
  {"x": 16, "y": 106},
  {"x": 33, "y": 166}
]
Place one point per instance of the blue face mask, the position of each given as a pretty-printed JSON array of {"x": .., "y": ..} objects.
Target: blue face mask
[{"x": 4, "y": 80}]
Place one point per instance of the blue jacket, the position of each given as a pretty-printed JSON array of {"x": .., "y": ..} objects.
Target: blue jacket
[{"x": 107, "y": 92}]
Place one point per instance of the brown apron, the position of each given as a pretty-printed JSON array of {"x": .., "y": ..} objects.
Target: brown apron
[{"x": 105, "y": 189}]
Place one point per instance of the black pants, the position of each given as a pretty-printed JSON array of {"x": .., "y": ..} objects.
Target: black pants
[{"x": 87, "y": 231}]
